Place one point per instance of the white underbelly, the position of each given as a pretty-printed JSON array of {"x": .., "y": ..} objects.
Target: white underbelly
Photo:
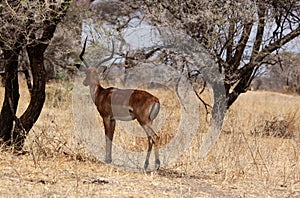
[{"x": 124, "y": 118}]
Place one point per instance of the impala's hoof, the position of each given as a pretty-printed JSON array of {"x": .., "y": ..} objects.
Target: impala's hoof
[
  {"x": 108, "y": 161},
  {"x": 146, "y": 164},
  {"x": 157, "y": 164}
]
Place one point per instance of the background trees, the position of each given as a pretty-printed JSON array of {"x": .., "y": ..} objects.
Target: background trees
[{"x": 282, "y": 76}]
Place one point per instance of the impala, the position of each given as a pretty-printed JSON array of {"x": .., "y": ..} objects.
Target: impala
[{"x": 121, "y": 104}]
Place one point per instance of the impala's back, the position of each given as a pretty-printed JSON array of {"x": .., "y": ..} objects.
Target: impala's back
[{"x": 127, "y": 104}]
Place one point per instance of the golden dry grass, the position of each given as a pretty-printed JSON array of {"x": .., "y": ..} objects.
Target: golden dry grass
[{"x": 58, "y": 164}]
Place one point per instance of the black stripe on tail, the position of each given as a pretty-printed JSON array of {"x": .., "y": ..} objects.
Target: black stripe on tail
[{"x": 153, "y": 111}]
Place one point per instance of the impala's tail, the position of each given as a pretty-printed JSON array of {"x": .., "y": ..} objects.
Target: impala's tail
[{"x": 153, "y": 111}]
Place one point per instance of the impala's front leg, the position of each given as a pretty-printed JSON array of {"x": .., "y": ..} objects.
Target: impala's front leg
[
  {"x": 150, "y": 143},
  {"x": 109, "y": 126}
]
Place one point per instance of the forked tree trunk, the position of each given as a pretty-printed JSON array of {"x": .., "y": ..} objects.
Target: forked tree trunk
[
  {"x": 13, "y": 130},
  {"x": 37, "y": 99}
]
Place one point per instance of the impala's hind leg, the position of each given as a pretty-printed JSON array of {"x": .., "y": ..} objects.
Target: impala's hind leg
[
  {"x": 109, "y": 126},
  {"x": 155, "y": 138},
  {"x": 152, "y": 139}
]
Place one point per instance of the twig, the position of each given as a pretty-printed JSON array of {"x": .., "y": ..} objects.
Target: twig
[{"x": 202, "y": 101}]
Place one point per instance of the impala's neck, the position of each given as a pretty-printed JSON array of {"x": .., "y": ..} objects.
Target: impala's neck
[
  {"x": 92, "y": 80},
  {"x": 94, "y": 89}
]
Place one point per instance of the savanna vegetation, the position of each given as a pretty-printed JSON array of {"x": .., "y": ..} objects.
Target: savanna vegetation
[
  {"x": 256, "y": 155},
  {"x": 43, "y": 152}
]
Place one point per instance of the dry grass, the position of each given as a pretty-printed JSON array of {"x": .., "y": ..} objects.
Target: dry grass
[{"x": 58, "y": 164}]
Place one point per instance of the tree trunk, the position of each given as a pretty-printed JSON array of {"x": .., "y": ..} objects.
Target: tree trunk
[
  {"x": 241, "y": 87},
  {"x": 11, "y": 97},
  {"x": 37, "y": 99},
  {"x": 217, "y": 118}
]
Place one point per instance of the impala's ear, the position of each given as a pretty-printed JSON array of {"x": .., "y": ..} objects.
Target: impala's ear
[{"x": 80, "y": 67}]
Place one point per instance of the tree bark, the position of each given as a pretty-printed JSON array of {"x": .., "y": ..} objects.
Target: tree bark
[
  {"x": 38, "y": 95},
  {"x": 11, "y": 97},
  {"x": 217, "y": 118}
]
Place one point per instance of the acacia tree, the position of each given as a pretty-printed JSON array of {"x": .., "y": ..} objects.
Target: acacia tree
[
  {"x": 28, "y": 25},
  {"x": 240, "y": 34}
]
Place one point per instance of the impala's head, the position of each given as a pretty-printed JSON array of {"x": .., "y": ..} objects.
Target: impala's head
[
  {"x": 91, "y": 77},
  {"x": 92, "y": 71}
]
